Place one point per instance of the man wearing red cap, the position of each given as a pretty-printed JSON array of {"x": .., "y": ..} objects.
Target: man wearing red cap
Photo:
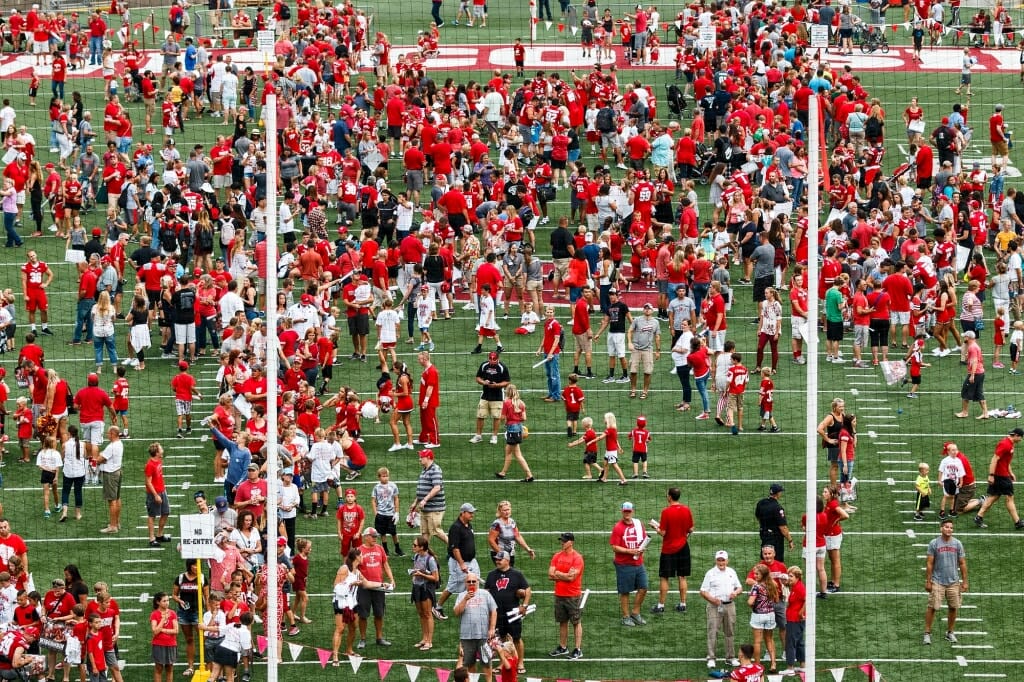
[
  {"x": 90, "y": 402},
  {"x": 373, "y": 566},
  {"x": 184, "y": 386}
]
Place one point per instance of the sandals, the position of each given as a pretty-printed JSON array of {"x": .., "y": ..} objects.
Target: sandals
[
  {"x": 643, "y": 396},
  {"x": 188, "y": 672},
  {"x": 521, "y": 671},
  {"x": 632, "y": 394}
]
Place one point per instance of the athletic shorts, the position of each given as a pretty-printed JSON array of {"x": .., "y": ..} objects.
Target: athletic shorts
[{"x": 675, "y": 565}]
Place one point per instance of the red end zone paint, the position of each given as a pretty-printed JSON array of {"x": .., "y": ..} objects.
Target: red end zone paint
[{"x": 565, "y": 56}]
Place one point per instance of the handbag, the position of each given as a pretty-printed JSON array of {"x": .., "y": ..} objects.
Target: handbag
[
  {"x": 546, "y": 193},
  {"x": 54, "y": 636},
  {"x": 916, "y": 126}
]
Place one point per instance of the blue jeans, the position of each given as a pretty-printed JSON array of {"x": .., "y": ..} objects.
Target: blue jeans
[
  {"x": 554, "y": 377},
  {"x": 83, "y": 320},
  {"x": 207, "y": 326},
  {"x": 65, "y": 492},
  {"x": 57, "y": 88},
  {"x": 101, "y": 342},
  {"x": 700, "y": 292},
  {"x": 13, "y": 239},
  {"x": 702, "y": 388},
  {"x": 95, "y": 51},
  {"x": 795, "y": 643},
  {"x": 435, "y": 12}
]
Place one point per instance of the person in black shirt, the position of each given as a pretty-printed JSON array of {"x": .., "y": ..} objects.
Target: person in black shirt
[
  {"x": 774, "y": 529},
  {"x": 616, "y": 319},
  {"x": 510, "y": 590},
  {"x": 493, "y": 376},
  {"x": 461, "y": 557},
  {"x": 563, "y": 247}
]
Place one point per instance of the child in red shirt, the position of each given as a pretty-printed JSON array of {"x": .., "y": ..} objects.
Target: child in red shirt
[
  {"x": 120, "y": 394},
  {"x": 350, "y": 517},
  {"x": 94, "y": 653},
  {"x": 184, "y": 386},
  {"x": 915, "y": 361},
  {"x": 509, "y": 669},
  {"x": 590, "y": 439},
  {"x": 998, "y": 337},
  {"x": 23, "y": 418},
  {"x": 640, "y": 437},
  {"x": 573, "y": 397},
  {"x": 766, "y": 394}
]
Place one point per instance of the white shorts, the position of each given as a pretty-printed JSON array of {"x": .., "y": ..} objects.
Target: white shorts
[
  {"x": 716, "y": 341},
  {"x": 833, "y": 541},
  {"x": 184, "y": 333},
  {"x": 230, "y": 101},
  {"x": 221, "y": 181},
  {"x": 92, "y": 432},
  {"x": 819, "y": 552},
  {"x": 798, "y": 326},
  {"x": 40, "y": 47},
  {"x": 762, "y": 621},
  {"x": 611, "y": 457},
  {"x": 617, "y": 345},
  {"x": 899, "y": 318}
]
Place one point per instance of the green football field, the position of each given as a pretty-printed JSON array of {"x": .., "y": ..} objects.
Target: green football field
[{"x": 877, "y": 617}]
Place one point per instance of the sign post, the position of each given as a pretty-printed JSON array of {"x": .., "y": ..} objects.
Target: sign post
[{"x": 197, "y": 543}]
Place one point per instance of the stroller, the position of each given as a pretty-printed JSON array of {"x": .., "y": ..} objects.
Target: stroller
[
  {"x": 676, "y": 100},
  {"x": 705, "y": 163}
]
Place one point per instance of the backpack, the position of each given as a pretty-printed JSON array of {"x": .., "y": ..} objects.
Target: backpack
[
  {"x": 168, "y": 238},
  {"x": 205, "y": 240},
  {"x": 873, "y": 127},
  {"x": 122, "y": 199},
  {"x": 605, "y": 121},
  {"x": 187, "y": 301},
  {"x": 518, "y": 101},
  {"x": 286, "y": 12}
]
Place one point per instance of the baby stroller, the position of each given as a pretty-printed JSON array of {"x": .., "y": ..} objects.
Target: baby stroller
[
  {"x": 676, "y": 100},
  {"x": 705, "y": 163}
]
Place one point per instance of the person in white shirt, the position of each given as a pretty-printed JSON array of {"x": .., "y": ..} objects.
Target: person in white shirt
[
  {"x": 288, "y": 500},
  {"x": 230, "y": 304},
  {"x": 111, "y": 460},
  {"x": 7, "y": 117},
  {"x": 229, "y": 95},
  {"x": 8, "y": 598},
  {"x": 304, "y": 315},
  {"x": 286, "y": 218},
  {"x": 719, "y": 589},
  {"x": 388, "y": 323}
]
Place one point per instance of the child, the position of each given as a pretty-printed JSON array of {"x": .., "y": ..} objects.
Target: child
[
  {"x": 998, "y": 336},
  {"x": 77, "y": 637},
  {"x": 350, "y": 517},
  {"x": 640, "y": 437},
  {"x": 766, "y": 393},
  {"x": 95, "y": 653},
  {"x": 214, "y": 620},
  {"x": 120, "y": 391},
  {"x": 611, "y": 448},
  {"x": 487, "y": 325},
  {"x": 736, "y": 380},
  {"x": 573, "y": 397},
  {"x": 951, "y": 475},
  {"x": 590, "y": 439},
  {"x": 923, "y": 487},
  {"x": 506, "y": 651},
  {"x": 49, "y": 462},
  {"x": 300, "y": 562},
  {"x": 1016, "y": 344},
  {"x": 847, "y": 453},
  {"x": 528, "y": 320},
  {"x": 915, "y": 360},
  {"x": 385, "y": 397},
  {"x": 23, "y": 417},
  {"x": 321, "y": 456},
  {"x": 388, "y": 324},
  {"x": 723, "y": 363},
  {"x": 33, "y": 88},
  {"x": 385, "y": 504},
  {"x": 184, "y": 385},
  {"x": 426, "y": 313}
]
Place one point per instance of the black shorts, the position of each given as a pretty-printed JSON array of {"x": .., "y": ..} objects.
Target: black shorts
[
  {"x": 424, "y": 592},
  {"x": 359, "y": 325},
  {"x": 394, "y": 132},
  {"x": 878, "y": 333},
  {"x": 327, "y": 372},
  {"x": 572, "y": 416},
  {"x": 639, "y": 457},
  {"x": 833, "y": 331},
  {"x": 369, "y": 600},
  {"x": 153, "y": 297},
  {"x": 385, "y": 525},
  {"x": 47, "y": 477},
  {"x": 675, "y": 565},
  {"x": 507, "y": 629},
  {"x": 949, "y": 487},
  {"x": 973, "y": 390},
  {"x": 760, "y": 285},
  {"x": 915, "y": 380},
  {"x": 590, "y": 458},
  {"x": 1001, "y": 485},
  {"x": 457, "y": 221}
]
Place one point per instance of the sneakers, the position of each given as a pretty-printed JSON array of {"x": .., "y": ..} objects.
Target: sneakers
[
  {"x": 476, "y": 439},
  {"x": 912, "y": 396},
  {"x": 712, "y": 664},
  {"x": 558, "y": 651},
  {"x": 622, "y": 380},
  {"x": 361, "y": 644},
  {"x": 1019, "y": 525},
  {"x": 293, "y": 630},
  {"x": 928, "y": 638},
  {"x": 980, "y": 522},
  {"x": 396, "y": 447},
  {"x": 919, "y": 517},
  {"x": 658, "y": 608},
  {"x": 680, "y": 608},
  {"x": 951, "y": 638},
  {"x": 439, "y": 613},
  {"x": 608, "y": 380},
  {"x": 638, "y": 619},
  {"x": 628, "y": 622},
  {"x": 576, "y": 655},
  {"x": 703, "y": 416},
  {"x": 800, "y": 360},
  {"x": 383, "y": 642},
  {"x": 494, "y": 440},
  {"x": 734, "y": 662}
]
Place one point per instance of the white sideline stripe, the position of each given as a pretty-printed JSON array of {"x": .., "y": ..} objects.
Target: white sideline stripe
[
  {"x": 984, "y": 674},
  {"x": 971, "y": 646}
]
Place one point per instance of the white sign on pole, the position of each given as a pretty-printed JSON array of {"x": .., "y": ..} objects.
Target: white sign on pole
[
  {"x": 197, "y": 532},
  {"x": 706, "y": 38},
  {"x": 819, "y": 36},
  {"x": 265, "y": 42}
]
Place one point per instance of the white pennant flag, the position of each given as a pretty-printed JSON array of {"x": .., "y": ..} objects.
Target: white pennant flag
[
  {"x": 573, "y": 29},
  {"x": 837, "y": 674},
  {"x": 166, "y": 34},
  {"x": 474, "y": 677},
  {"x": 547, "y": 25},
  {"x": 774, "y": 678},
  {"x": 238, "y": 42},
  {"x": 413, "y": 671},
  {"x": 876, "y": 675},
  {"x": 533, "y": 679},
  {"x": 145, "y": 26},
  {"x": 906, "y": 26},
  {"x": 356, "y": 661},
  {"x": 294, "y": 650}
]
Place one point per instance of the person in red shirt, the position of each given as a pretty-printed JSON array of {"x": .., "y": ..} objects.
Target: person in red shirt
[
  {"x": 628, "y": 541},
  {"x": 737, "y": 377},
  {"x": 551, "y": 349},
  {"x": 674, "y": 526},
  {"x": 640, "y": 437},
  {"x": 748, "y": 670},
  {"x": 1000, "y": 480},
  {"x": 350, "y": 518},
  {"x": 157, "y": 504},
  {"x": 184, "y": 386},
  {"x": 36, "y": 276},
  {"x": 880, "y": 302},
  {"x": 429, "y": 401}
]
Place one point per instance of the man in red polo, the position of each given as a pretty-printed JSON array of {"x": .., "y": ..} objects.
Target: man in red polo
[{"x": 674, "y": 527}]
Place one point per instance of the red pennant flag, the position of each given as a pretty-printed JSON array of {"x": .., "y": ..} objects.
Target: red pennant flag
[
  {"x": 156, "y": 29},
  {"x": 868, "y": 669},
  {"x": 248, "y": 42},
  {"x": 137, "y": 26},
  {"x": 1009, "y": 36},
  {"x": 443, "y": 675},
  {"x": 959, "y": 34},
  {"x": 895, "y": 28},
  {"x": 224, "y": 42},
  {"x": 324, "y": 655},
  {"x": 536, "y": 21},
  {"x": 382, "y": 668},
  {"x": 261, "y": 643},
  {"x": 561, "y": 27},
  {"x": 664, "y": 26}
]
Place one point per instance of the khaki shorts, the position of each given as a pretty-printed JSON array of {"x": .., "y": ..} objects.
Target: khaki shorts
[
  {"x": 534, "y": 285},
  {"x": 948, "y": 593},
  {"x": 111, "y": 485},
  {"x": 735, "y": 402},
  {"x": 488, "y": 408},
  {"x": 562, "y": 267},
  {"x": 860, "y": 335},
  {"x": 642, "y": 361},
  {"x": 1000, "y": 148},
  {"x": 798, "y": 327},
  {"x": 583, "y": 342},
  {"x": 430, "y": 523}
]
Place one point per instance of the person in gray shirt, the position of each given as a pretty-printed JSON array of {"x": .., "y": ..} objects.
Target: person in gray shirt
[
  {"x": 430, "y": 501},
  {"x": 681, "y": 309},
  {"x": 644, "y": 340},
  {"x": 764, "y": 266},
  {"x": 198, "y": 171},
  {"x": 945, "y": 578},
  {"x": 478, "y": 615},
  {"x": 783, "y": 156}
]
